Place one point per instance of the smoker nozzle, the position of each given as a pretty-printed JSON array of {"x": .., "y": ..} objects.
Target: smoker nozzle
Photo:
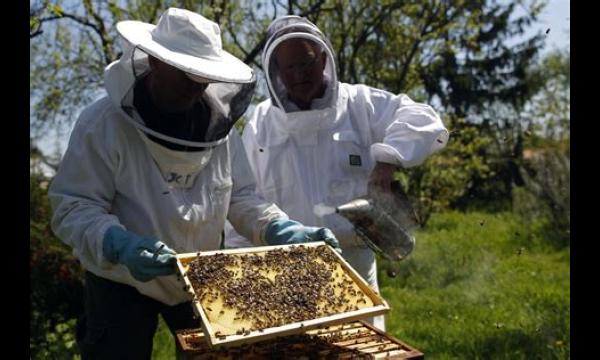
[{"x": 355, "y": 207}]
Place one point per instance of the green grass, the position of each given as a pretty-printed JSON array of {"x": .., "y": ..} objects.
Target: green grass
[
  {"x": 164, "y": 344},
  {"x": 477, "y": 286},
  {"x": 480, "y": 286}
]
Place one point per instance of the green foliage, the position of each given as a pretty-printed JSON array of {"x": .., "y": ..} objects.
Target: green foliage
[
  {"x": 164, "y": 344},
  {"x": 481, "y": 286},
  {"x": 451, "y": 53},
  {"x": 423, "y": 60},
  {"x": 70, "y": 47},
  {"x": 58, "y": 343},
  {"x": 455, "y": 55},
  {"x": 59, "y": 76},
  {"x": 455, "y": 51},
  {"x": 56, "y": 281},
  {"x": 546, "y": 193},
  {"x": 55, "y": 10},
  {"x": 545, "y": 167},
  {"x": 448, "y": 175},
  {"x": 541, "y": 125},
  {"x": 548, "y": 112}
]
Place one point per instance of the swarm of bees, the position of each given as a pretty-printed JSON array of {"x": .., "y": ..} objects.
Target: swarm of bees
[{"x": 275, "y": 288}]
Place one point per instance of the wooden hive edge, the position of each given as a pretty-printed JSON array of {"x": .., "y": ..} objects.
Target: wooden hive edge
[
  {"x": 404, "y": 352},
  {"x": 182, "y": 260},
  {"x": 380, "y": 305},
  {"x": 411, "y": 351}
]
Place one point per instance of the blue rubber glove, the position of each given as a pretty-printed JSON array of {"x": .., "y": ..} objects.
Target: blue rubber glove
[
  {"x": 283, "y": 232},
  {"x": 138, "y": 254}
]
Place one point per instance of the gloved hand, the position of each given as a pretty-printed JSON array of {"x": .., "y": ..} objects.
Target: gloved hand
[
  {"x": 138, "y": 254},
  {"x": 283, "y": 232}
]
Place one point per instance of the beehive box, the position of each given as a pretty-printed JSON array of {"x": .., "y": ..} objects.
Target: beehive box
[
  {"x": 353, "y": 340},
  {"x": 252, "y": 294}
]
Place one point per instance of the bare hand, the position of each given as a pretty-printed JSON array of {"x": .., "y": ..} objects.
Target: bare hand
[{"x": 381, "y": 177}]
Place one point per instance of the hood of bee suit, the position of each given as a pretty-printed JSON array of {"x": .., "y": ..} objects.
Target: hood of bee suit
[
  {"x": 227, "y": 101},
  {"x": 323, "y": 110},
  {"x": 228, "y": 98}
]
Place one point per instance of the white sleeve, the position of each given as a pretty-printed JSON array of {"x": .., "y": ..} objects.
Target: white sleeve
[
  {"x": 233, "y": 240},
  {"x": 251, "y": 146},
  {"x": 249, "y": 213},
  {"x": 81, "y": 193},
  {"x": 404, "y": 132}
]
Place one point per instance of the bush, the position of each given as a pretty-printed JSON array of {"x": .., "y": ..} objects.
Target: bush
[
  {"x": 546, "y": 193},
  {"x": 57, "y": 342},
  {"x": 448, "y": 175},
  {"x": 56, "y": 282}
]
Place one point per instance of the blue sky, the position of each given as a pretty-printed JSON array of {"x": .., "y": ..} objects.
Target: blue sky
[{"x": 556, "y": 17}]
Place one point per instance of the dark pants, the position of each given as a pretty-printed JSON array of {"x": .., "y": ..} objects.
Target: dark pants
[{"x": 119, "y": 322}]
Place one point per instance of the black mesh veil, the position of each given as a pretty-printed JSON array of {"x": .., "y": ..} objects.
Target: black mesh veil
[{"x": 227, "y": 101}]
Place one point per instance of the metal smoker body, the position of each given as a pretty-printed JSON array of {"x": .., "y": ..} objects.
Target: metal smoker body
[{"x": 383, "y": 233}]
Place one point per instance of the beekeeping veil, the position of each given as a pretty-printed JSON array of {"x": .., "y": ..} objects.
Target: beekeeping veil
[
  {"x": 295, "y": 27},
  {"x": 191, "y": 43}
]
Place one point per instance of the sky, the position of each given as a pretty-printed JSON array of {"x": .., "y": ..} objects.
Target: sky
[{"x": 556, "y": 17}]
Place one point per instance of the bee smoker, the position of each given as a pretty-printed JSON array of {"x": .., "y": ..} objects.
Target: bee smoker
[{"x": 390, "y": 236}]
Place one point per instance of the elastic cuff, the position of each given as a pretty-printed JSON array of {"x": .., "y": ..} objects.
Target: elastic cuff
[
  {"x": 102, "y": 260},
  {"x": 263, "y": 230},
  {"x": 386, "y": 154}
]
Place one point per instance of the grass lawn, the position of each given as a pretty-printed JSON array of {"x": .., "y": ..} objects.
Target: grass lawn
[
  {"x": 477, "y": 286},
  {"x": 481, "y": 286},
  {"x": 164, "y": 344}
]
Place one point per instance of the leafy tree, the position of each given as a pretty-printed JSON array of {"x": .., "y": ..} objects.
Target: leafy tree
[
  {"x": 546, "y": 194},
  {"x": 546, "y": 163},
  {"x": 457, "y": 52},
  {"x": 548, "y": 112},
  {"x": 452, "y": 54},
  {"x": 456, "y": 56},
  {"x": 454, "y": 51},
  {"x": 448, "y": 175}
]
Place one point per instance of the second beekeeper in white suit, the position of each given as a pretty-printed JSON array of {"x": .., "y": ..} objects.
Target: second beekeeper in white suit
[{"x": 320, "y": 141}]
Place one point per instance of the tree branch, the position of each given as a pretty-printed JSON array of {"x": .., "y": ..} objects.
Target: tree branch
[
  {"x": 101, "y": 30},
  {"x": 37, "y": 154},
  {"x": 314, "y": 8},
  {"x": 415, "y": 46},
  {"x": 341, "y": 61},
  {"x": 238, "y": 44},
  {"x": 35, "y": 33},
  {"x": 251, "y": 55}
]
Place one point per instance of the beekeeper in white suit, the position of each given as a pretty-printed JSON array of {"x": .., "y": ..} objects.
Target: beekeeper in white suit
[
  {"x": 152, "y": 170},
  {"x": 319, "y": 141}
]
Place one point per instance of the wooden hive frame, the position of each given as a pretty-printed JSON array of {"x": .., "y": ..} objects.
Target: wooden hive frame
[
  {"x": 379, "y": 307},
  {"x": 356, "y": 339}
]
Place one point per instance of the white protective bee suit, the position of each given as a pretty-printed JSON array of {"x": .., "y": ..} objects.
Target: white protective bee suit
[
  {"x": 113, "y": 174},
  {"x": 325, "y": 155}
]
